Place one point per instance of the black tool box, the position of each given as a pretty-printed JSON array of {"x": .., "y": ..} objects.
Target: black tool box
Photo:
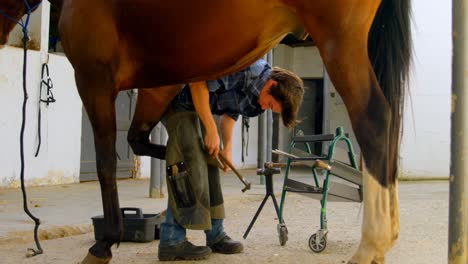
[{"x": 138, "y": 227}]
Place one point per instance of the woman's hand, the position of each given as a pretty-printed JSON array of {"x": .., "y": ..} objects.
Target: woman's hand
[{"x": 212, "y": 142}]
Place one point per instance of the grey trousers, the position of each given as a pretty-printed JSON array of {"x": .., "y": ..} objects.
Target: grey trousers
[{"x": 194, "y": 187}]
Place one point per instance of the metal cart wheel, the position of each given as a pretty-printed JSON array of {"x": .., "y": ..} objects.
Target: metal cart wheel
[
  {"x": 316, "y": 245},
  {"x": 282, "y": 234}
]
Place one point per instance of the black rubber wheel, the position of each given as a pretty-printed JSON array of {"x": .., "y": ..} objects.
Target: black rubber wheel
[
  {"x": 317, "y": 247},
  {"x": 283, "y": 235}
]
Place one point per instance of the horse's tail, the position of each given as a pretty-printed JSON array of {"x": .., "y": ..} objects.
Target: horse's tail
[{"x": 390, "y": 50}]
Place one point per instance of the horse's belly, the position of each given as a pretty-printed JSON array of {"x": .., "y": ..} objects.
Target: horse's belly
[{"x": 198, "y": 46}]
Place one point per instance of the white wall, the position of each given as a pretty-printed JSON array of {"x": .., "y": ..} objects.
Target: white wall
[
  {"x": 250, "y": 161},
  {"x": 59, "y": 158},
  {"x": 426, "y": 134}
]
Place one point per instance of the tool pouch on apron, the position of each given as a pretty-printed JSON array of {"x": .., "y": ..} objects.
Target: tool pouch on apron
[
  {"x": 179, "y": 182},
  {"x": 194, "y": 197}
]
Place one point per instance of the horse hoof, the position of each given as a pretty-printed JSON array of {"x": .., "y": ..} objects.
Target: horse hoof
[{"x": 90, "y": 259}]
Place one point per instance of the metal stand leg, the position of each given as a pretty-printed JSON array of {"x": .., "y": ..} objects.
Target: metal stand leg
[
  {"x": 269, "y": 192},
  {"x": 255, "y": 217},
  {"x": 275, "y": 203}
]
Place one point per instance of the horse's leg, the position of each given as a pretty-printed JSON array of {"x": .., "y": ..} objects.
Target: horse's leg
[
  {"x": 369, "y": 112},
  {"x": 98, "y": 94},
  {"x": 394, "y": 212},
  {"x": 379, "y": 228},
  {"x": 150, "y": 107},
  {"x": 382, "y": 210},
  {"x": 349, "y": 68},
  {"x": 340, "y": 30},
  {"x": 384, "y": 196}
]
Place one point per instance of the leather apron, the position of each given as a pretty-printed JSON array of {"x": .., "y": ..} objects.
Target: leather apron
[{"x": 194, "y": 187}]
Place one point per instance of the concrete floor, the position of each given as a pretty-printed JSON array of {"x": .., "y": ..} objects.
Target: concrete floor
[{"x": 65, "y": 211}]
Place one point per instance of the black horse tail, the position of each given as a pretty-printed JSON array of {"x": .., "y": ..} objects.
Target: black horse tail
[{"x": 390, "y": 50}]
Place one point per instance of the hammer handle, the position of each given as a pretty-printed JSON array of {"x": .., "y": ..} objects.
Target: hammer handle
[{"x": 241, "y": 178}]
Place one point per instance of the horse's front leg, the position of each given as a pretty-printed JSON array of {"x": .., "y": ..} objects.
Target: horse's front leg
[
  {"x": 98, "y": 95},
  {"x": 151, "y": 106}
]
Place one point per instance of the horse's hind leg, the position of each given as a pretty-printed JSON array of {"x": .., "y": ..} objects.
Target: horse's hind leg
[
  {"x": 379, "y": 226},
  {"x": 150, "y": 107},
  {"x": 394, "y": 212},
  {"x": 353, "y": 76},
  {"x": 369, "y": 112},
  {"x": 386, "y": 196},
  {"x": 347, "y": 63},
  {"x": 98, "y": 95}
]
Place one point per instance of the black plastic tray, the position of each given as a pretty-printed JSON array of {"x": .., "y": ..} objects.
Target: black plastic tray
[{"x": 138, "y": 227}]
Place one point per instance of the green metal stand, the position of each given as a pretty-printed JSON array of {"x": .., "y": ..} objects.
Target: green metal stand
[{"x": 348, "y": 172}]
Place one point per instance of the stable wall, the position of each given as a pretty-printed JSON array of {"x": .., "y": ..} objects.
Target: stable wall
[
  {"x": 59, "y": 158},
  {"x": 425, "y": 150}
]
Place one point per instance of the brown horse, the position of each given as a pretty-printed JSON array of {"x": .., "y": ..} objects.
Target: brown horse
[{"x": 116, "y": 45}]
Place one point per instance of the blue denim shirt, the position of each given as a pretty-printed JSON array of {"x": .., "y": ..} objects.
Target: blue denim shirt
[{"x": 234, "y": 95}]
